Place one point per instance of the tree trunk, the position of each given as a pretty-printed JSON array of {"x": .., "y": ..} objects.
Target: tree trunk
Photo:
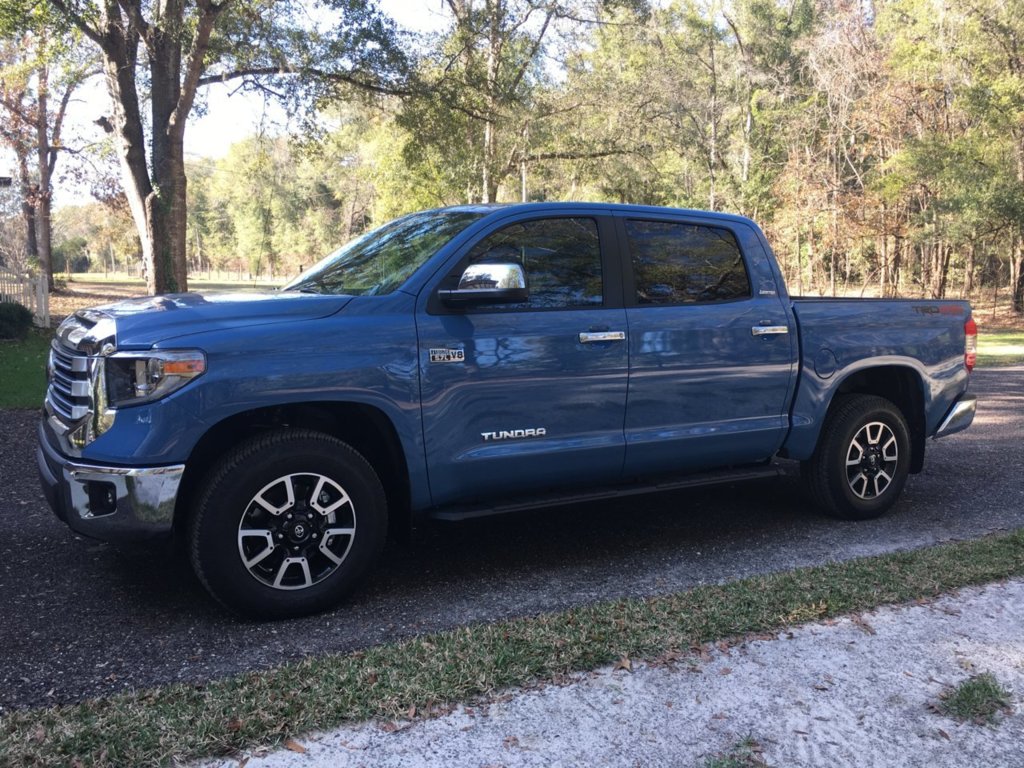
[
  {"x": 489, "y": 180},
  {"x": 1017, "y": 263},
  {"x": 1017, "y": 300},
  {"x": 799, "y": 266},
  {"x": 28, "y": 206},
  {"x": 924, "y": 258},
  {"x": 897, "y": 263},
  {"x": 43, "y": 224},
  {"x": 882, "y": 244},
  {"x": 942, "y": 271},
  {"x": 157, "y": 204},
  {"x": 119, "y": 64},
  {"x": 165, "y": 205},
  {"x": 713, "y": 140},
  {"x": 968, "y": 286},
  {"x": 165, "y": 228},
  {"x": 489, "y": 184}
]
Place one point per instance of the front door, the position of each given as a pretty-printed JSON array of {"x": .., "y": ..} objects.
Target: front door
[{"x": 525, "y": 397}]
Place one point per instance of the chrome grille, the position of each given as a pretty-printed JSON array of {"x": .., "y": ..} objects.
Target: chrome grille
[{"x": 70, "y": 391}]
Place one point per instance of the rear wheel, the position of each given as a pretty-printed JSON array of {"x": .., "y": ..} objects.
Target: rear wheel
[
  {"x": 862, "y": 460},
  {"x": 287, "y": 524}
]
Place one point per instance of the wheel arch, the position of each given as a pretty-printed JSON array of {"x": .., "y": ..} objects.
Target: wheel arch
[
  {"x": 903, "y": 386},
  {"x": 364, "y": 427}
]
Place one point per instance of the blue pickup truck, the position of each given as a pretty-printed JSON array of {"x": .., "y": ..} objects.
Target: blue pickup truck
[{"x": 475, "y": 360}]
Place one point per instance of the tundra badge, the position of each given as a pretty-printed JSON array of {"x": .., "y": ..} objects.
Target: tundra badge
[{"x": 509, "y": 434}]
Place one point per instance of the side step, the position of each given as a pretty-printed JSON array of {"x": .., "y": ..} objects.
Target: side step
[{"x": 558, "y": 499}]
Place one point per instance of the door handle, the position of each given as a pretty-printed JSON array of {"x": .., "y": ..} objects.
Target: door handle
[
  {"x": 768, "y": 330},
  {"x": 592, "y": 337}
]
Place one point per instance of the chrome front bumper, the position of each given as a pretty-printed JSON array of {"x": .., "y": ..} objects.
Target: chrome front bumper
[
  {"x": 959, "y": 417},
  {"x": 110, "y": 503}
]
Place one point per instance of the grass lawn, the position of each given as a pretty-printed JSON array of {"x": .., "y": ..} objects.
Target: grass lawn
[
  {"x": 1000, "y": 348},
  {"x": 422, "y": 675},
  {"x": 23, "y": 363}
]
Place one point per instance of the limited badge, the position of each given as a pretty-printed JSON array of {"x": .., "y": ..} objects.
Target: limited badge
[{"x": 447, "y": 355}]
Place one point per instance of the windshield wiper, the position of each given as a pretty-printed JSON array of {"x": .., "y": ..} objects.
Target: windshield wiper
[{"x": 311, "y": 286}]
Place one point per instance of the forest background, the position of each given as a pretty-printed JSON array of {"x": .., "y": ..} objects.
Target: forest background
[{"x": 879, "y": 143}]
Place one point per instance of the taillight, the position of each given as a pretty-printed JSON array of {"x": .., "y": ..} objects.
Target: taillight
[{"x": 970, "y": 344}]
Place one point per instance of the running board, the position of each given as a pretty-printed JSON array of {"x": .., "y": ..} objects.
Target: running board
[{"x": 718, "y": 477}]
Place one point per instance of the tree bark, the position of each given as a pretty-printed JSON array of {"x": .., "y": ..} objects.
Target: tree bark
[
  {"x": 489, "y": 180},
  {"x": 968, "y": 284},
  {"x": 1017, "y": 288},
  {"x": 165, "y": 205},
  {"x": 43, "y": 223},
  {"x": 28, "y": 205}
]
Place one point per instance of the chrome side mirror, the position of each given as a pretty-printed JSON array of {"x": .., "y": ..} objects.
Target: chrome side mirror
[{"x": 489, "y": 284}]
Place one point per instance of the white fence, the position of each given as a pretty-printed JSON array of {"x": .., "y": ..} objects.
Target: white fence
[{"x": 29, "y": 290}]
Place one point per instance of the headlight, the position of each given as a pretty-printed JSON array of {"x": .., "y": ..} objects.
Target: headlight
[{"x": 133, "y": 379}]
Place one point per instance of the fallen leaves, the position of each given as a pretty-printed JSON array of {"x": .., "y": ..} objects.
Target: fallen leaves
[
  {"x": 861, "y": 623},
  {"x": 294, "y": 746}
]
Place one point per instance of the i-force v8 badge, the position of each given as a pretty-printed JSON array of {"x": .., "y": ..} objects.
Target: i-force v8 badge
[{"x": 447, "y": 355}]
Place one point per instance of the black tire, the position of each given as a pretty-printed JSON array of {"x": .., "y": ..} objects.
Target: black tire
[
  {"x": 862, "y": 460},
  {"x": 309, "y": 553}
]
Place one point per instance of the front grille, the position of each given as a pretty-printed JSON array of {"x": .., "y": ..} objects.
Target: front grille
[
  {"x": 75, "y": 397},
  {"x": 70, "y": 391}
]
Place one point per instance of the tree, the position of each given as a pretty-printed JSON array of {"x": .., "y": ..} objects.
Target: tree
[
  {"x": 993, "y": 32},
  {"x": 39, "y": 73},
  {"x": 489, "y": 93},
  {"x": 163, "y": 51}
]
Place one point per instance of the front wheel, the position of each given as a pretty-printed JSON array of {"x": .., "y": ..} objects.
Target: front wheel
[
  {"x": 862, "y": 460},
  {"x": 287, "y": 524}
]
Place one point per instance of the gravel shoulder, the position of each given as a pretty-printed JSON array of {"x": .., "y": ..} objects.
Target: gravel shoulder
[{"x": 857, "y": 691}]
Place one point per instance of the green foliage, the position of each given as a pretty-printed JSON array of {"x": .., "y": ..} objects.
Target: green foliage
[
  {"x": 15, "y": 320},
  {"x": 71, "y": 255},
  {"x": 95, "y": 237},
  {"x": 881, "y": 146}
]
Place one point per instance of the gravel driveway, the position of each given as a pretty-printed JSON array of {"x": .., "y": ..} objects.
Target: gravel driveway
[
  {"x": 838, "y": 693},
  {"x": 82, "y": 618}
]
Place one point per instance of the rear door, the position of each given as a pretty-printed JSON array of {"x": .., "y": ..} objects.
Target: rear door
[
  {"x": 525, "y": 397},
  {"x": 712, "y": 346}
]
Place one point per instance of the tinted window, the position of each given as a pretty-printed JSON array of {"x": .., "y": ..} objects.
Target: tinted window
[
  {"x": 562, "y": 259},
  {"x": 685, "y": 263}
]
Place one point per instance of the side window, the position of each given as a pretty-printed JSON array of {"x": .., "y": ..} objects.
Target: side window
[
  {"x": 561, "y": 257},
  {"x": 677, "y": 263}
]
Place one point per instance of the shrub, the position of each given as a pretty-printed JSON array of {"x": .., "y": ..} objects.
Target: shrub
[{"x": 15, "y": 320}]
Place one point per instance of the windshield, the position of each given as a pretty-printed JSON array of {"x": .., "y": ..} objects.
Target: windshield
[{"x": 381, "y": 260}]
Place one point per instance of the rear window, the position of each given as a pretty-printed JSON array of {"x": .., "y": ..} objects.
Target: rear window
[{"x": 676, "y": 263}]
